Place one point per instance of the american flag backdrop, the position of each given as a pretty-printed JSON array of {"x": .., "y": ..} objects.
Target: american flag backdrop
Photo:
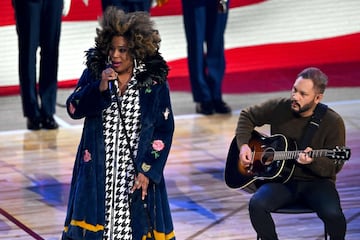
[{"x": 263, "y": 37}]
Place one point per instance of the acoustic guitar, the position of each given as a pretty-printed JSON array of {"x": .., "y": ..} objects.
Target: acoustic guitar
[{"x": 273, "y": 159}]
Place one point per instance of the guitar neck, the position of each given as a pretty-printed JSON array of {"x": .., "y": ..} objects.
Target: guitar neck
[{"x": 285, "y": 155}]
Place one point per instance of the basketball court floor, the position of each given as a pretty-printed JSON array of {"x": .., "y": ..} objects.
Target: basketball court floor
[{"x": 36, "y": 167}]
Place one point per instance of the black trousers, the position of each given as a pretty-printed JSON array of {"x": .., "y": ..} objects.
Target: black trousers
[
  {"x": 205, "y": 25},
  {"x": 320, "y": 195},
  {"x": 38, "y": 24}
]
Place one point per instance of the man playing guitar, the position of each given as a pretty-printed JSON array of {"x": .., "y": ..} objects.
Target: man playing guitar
[{"x": 312, "y": 180}]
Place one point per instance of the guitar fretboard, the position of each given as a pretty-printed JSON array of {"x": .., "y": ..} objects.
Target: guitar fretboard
[
  {"x": 284, "y": 155},
  {"x": 337, "y": 154}
]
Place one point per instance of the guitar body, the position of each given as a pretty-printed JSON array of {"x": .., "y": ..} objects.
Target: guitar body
[{"x": 264, "y": 168}]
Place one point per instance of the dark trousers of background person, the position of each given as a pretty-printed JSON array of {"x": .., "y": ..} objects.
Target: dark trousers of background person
[
  {"x": 205, "y": 24},
  {"x": 128, "y": 5},
  {"x": 320, "y": 195},
  {"x": 38, "y": 24}
]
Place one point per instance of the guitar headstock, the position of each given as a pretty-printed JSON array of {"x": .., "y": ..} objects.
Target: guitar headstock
[{"x": 340, "y": 154}]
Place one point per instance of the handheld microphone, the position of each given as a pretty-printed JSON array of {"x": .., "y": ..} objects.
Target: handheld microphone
[
  {"x": 112, "y": 86},
  {"x": 111, "y": 83}
]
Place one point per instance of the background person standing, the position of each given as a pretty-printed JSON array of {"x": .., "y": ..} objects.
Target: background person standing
[
  {"x": 38, "y": 24},
  {"x": 205, "y": 23}
]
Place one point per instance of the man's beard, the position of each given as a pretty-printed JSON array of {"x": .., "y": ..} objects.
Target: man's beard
[{"x": 302, "y": 109}]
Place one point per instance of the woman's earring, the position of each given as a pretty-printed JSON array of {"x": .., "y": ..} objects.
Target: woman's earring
[{"x": 108, "y": 62}]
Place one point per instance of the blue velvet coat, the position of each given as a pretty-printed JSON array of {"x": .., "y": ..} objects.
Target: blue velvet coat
[{"x": 86, "y": 207}]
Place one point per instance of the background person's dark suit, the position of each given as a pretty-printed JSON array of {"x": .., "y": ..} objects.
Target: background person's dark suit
[
  {"x": 38, "y": 24},
  {"x": 205, "y": 24}
]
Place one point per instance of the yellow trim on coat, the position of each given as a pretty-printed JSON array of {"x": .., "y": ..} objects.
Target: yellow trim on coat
[
  {"x": 86, "y": 226},
  {"x": 161, "y": 236}
]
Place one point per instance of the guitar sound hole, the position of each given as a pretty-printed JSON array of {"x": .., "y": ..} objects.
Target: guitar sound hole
[{"x": 268, "y": 156}]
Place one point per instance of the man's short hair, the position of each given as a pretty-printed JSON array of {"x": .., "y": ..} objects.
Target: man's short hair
[{"x": 319, "y": 78}]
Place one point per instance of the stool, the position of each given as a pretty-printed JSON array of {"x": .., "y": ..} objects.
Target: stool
[{"x": 297, "y": 208}]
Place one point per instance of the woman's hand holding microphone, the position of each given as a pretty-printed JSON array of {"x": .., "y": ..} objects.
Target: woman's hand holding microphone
[{"x": 107, "y": 76}]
